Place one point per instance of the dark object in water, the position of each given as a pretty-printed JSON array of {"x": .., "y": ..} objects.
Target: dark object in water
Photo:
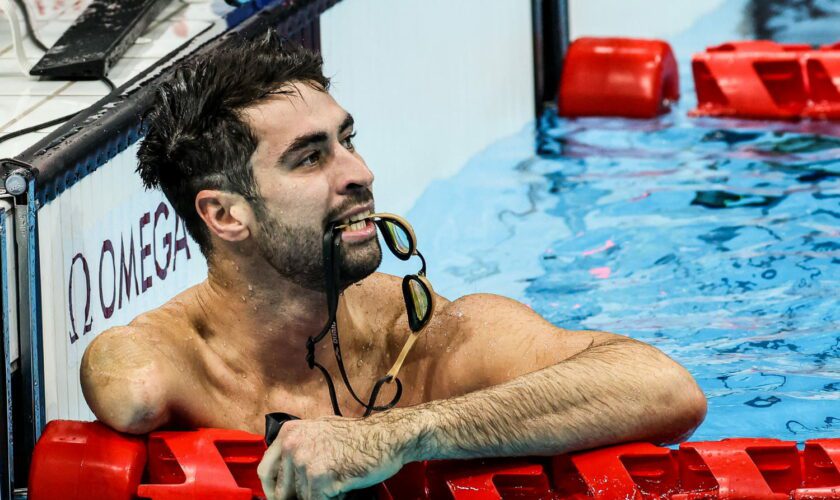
[
  {"x": 98, "y": 38},
  {"x": 730, "y": 137},
  {"x": 725, "y": 199}
]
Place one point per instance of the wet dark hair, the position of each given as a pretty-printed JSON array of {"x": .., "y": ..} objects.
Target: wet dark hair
[{"x": 196, "y": 137}]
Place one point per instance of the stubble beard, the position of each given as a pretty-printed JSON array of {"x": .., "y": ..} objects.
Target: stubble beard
[{"x": 296, "y": 253}]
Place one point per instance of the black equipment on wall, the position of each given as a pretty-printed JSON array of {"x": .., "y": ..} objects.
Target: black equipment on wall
[
  {"x": 98, "y": 38},
  {"x": 550, "y": 21}
]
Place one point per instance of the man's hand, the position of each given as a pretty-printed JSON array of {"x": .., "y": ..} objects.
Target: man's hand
[{"x": 327, "y": 457}]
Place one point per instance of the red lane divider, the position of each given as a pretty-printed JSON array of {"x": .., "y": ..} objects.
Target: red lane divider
[
  {"x": 631, "y": 471},
  {"x": 763, "y": 79},
  {"x": 83, "y": 460},
  {"x": 741, "y": 468},
  {"x": 821, "y": 470},
  {"x": 86, "y": 460},
  {"x": 618, "y": 77},
  {"x": 207, "y": 463}
]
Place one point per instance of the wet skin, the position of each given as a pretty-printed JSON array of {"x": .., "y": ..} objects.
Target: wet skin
[
  {"x": 488, "y": 377},
  {"x": 209, "y": 382}
]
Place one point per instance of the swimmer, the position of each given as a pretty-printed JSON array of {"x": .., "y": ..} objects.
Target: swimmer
[{"x": 258, "y": 159}]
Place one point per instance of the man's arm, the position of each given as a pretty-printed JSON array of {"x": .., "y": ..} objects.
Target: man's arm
[
  {"x": 569, "y": 390},
  {"x": 124, "y": 382},
  {"x": 536, "y": 390}
]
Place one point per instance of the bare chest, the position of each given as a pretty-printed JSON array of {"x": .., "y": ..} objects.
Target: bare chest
[{"x": 244, "y": 407}]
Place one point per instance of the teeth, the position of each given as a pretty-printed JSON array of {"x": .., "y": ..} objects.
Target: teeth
[{"x": 357, "y": 219}]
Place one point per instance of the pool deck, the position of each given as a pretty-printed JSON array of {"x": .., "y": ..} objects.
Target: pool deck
[{"x": 26, "y": 101}]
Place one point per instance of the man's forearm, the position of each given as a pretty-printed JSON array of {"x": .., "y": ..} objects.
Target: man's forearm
[{"x": 617, "y": 391}]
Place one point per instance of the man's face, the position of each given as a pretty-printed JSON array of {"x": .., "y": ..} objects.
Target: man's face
[{"x": 309, "y": 176}]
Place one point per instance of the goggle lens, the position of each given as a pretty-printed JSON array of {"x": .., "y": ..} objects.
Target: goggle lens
[
  {"x": 398, "y": 239},
  {"x": 418, "y": 302},
  {"x": 420, "y": 299}
]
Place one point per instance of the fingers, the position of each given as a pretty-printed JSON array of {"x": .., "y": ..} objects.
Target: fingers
[
  {"x": 321, "y": 483},
  {"x": 269, "y": 469},
  {"x": 287, "y": 486}
]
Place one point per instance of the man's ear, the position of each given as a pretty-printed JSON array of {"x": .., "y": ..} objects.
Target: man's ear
[{"x": 227, "y": 215}]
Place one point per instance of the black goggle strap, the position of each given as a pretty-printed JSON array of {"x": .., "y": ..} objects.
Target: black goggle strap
[
  {"x": 330, "y": 387},
  {"x": 332, "y": 251},
  {"x": 423, "y": 261},
  {"x": 331, "y": 271},
  {"x": 370, "y": 407},
  {"x": 331, "y": 279},
  {"x": 330, "y": 275}
]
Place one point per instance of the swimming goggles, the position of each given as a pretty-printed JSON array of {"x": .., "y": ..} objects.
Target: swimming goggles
[{"x": 417, "y": 294}]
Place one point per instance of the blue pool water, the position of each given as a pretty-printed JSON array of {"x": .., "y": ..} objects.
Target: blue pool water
[{"x": 716, "y": 241}]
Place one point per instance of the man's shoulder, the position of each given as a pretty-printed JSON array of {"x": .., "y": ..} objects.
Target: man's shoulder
[
  {"x": 127, "y": 371},
  {"x": 149, "y": 336},
  {"x": 125, "y": 380},
  {"x": 155, "y": 328}
]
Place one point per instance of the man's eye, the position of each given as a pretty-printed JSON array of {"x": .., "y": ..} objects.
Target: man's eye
[
  {"x": 310, "y": 160},
  {"x": 348, "y": 142}
]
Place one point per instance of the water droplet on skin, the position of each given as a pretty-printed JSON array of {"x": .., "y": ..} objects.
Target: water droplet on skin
[
  {"x": 250, "y": 287},
  {"x": 242, "y": 298}
]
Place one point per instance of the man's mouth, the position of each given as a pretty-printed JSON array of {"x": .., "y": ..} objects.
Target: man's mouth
[
  {"x": 358, "y": 227},
  {"x": 356, "y": 222}
]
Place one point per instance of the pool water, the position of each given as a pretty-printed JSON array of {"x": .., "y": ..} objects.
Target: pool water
[{"x": 715, "y": 241}]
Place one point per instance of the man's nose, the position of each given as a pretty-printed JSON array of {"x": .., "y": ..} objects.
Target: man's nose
[{"x": 353, "y": 173}]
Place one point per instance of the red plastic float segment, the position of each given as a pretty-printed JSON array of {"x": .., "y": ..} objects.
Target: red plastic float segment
[
  {"x": 618, "y": 77},
  {"x": 740, "y": 469},
  {"x": 763, "y": 79},
  {"x": 630, "y": 471},
  {"x": 822, "y": 69},
  {"x": 759, "y": 46},
  {"x": 84, "y": 460},
  {"x": 757, "y": 79},
  {"x": 827, "y": 493},
  {"x": 821, "y": 470},
  {"x": 208, "y": 463},
  {"x": 489, "y": 479},
  {"x": 492, "y": 482},
  {"x": 410, "y": 483}
]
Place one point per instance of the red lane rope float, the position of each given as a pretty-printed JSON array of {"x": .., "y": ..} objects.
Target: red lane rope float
[
  {"x": 763, "y": 79},
  {"x": 85, "y": 460},
  {"x": 618, "y": 77}
]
